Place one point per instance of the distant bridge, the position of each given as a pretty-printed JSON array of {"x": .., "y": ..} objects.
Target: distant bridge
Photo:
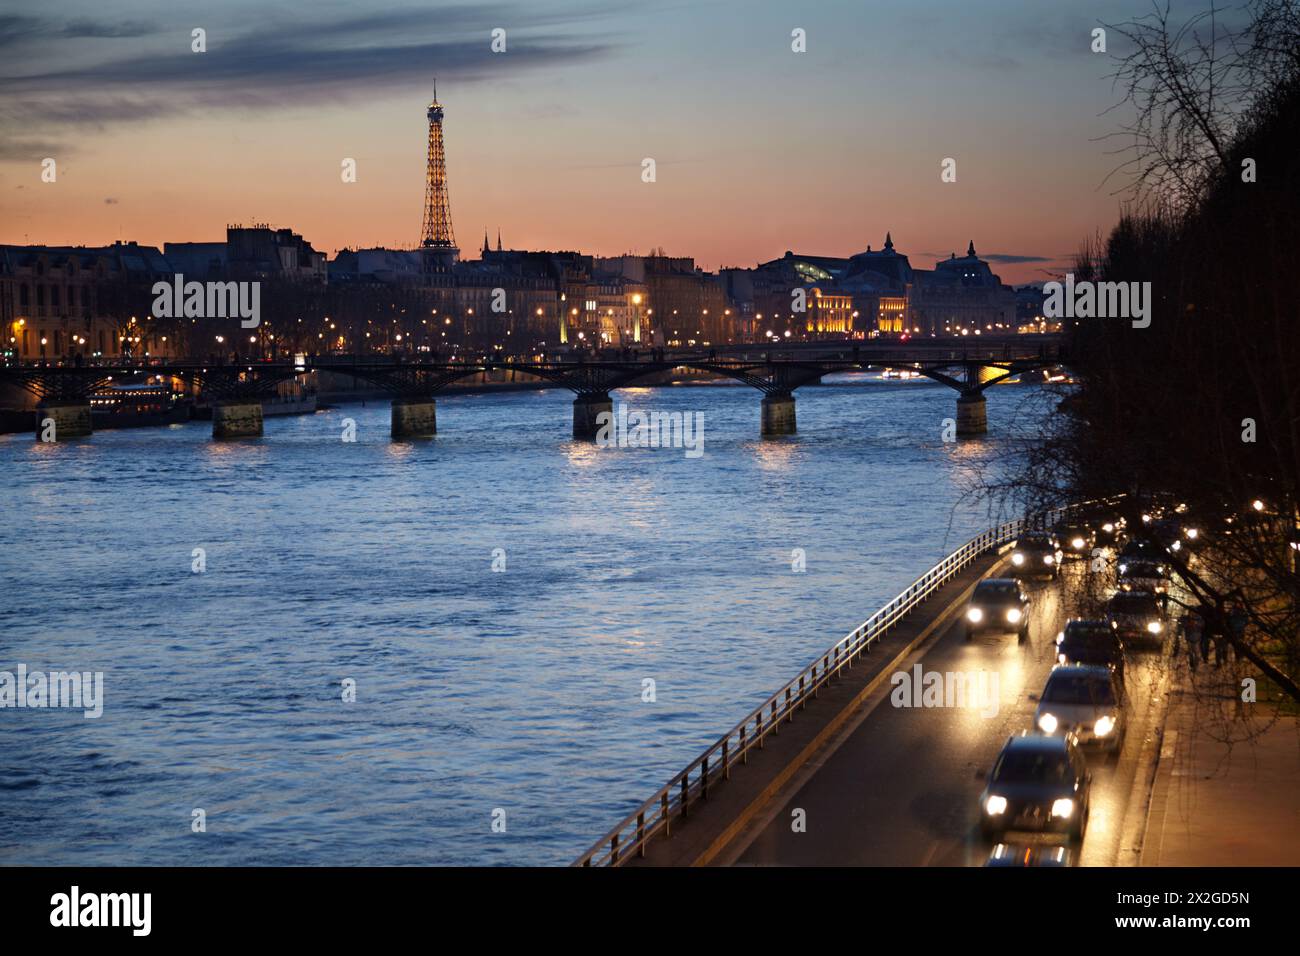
[{"x": 238, "y": 387}]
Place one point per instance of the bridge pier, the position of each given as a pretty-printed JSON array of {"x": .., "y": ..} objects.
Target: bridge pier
[
  {"x": 237, "y": 418},
  {"x": 972, "y": 415},
  {"x": 71, "y": 419},
  {"x": 778, "y": 414},
  {"x": 586, "y": 411},
  {"x": 415, "y": 417}
]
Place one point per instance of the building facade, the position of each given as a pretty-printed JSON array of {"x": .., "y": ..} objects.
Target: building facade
[
  {"x": 876, "y": 292},
  {"x": 59, "y": 302},
  {"x": 962, "y": 295}
]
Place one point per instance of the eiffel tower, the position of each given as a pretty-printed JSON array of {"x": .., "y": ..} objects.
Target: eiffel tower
[{"x": 438, "y": 241}]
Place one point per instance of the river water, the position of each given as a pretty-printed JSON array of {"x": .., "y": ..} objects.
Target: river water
[{"x": 476, "y": 691}]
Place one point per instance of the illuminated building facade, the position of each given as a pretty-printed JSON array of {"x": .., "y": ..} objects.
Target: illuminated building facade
[
  {"x": 829, "y": 312},
  {"x": 962, "y": 295},
  {"x": 59, "y": 302},
  {"x": 876, "y": 292}
]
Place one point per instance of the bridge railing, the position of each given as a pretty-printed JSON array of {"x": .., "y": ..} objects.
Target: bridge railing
[{"x": 674, "y": 800}]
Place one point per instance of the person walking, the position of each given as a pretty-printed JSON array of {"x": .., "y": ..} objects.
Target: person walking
[
  {"x": 1204, "y": 629},
  {"x": 1237, "y": 621},
  {"x": 1192, "y": 629},
  {"x": 1218, "y": 634}
]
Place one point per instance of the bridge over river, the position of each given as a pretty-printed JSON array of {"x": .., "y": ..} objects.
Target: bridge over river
[{"x": 968, "y": 365}]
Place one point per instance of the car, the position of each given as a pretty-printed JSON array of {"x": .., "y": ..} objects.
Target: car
[
  {"x": 1090, "y": 642},
  {"x": 1136, "y": 616},
  {"x": 1085, "y": 701},
  {"x": 1038, "y": 783},
  {"x": 998, "y": 604},
  {"x": 1076, "y": 540},
  {"x": 1030, "y": 854},
  {"x": 1139, "y": 574},
  {"x": 1141, "y": 549},
  {"x": 1110, "y": 531},
  {"x": 1036, "y": 554}
]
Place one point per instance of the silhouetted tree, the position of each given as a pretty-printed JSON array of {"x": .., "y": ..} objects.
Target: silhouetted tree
[{"x": 1201, "y": 410}]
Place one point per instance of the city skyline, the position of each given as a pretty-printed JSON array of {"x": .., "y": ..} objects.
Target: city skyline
[{"x": 546, "y": 140}]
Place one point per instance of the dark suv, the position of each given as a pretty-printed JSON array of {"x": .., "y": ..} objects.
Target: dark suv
[
  {"x": 1090, "y": 642},
  {"x": 1038, "y": 783},
  {"x": 1136, "y": 616},
  {"x": 998, "y": 604},
  {"x": 1076, "y": 539},
  {"x": 1140, "y": 574},
  {"x": 1036, "y": 554}
]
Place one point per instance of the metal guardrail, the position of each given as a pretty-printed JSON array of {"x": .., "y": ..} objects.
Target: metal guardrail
[{"x": 674, "y": 800}]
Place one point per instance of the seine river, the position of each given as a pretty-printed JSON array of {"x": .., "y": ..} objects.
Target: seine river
[{"x": 476, "y": 690}]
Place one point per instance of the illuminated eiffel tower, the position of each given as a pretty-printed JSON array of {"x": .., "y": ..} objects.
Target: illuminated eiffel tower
[{"x": 438, "y": 242}]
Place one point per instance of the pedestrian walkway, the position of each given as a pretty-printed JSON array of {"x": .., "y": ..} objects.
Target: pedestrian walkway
[{"x": 1227, "y": 786}]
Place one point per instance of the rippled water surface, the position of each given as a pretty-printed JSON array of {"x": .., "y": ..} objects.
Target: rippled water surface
[{"x": 475, "y": 690}]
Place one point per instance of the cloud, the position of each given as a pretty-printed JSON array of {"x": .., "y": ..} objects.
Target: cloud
[
  {"x": 17, "y": 29},
  {"x": 99, "y": 30},
  {"x": 19, "y": 150},
  {"x": 1003, "y": 257},
  {"x": 280, "y": 64},
  {"x": 1010, "y": 258}
]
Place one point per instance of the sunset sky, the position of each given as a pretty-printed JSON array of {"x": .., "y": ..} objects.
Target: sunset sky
[{"x": 758, "y": 149}]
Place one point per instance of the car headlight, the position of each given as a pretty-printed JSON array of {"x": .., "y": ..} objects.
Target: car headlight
[
  {"x": 1104, "y": 725},
  {"x": 995, "y": 805},
  {"x": 1153, "y": 627},
  {"x": 1063, "y": 808},
  {"x": 1176, "y": 546},
  {"x": 1060, "y": 658},
  {"x": 1049, "y": 558},
  {"x": 1191, "y": 534},
  {"x": 1077, "y": 544},
  {"x": 975, "y": 615},
  {"x": 1013, "y": 615},
  {"x": 1108, "y": 527},
  {"x": 1047, "y": 723},
  {"x": 1017, "y": 559}
]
